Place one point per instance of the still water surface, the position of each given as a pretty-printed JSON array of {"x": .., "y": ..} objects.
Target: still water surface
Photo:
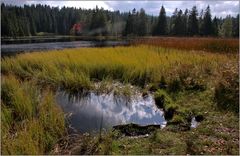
[
  {"x": 12, "y": 49},
  {"x": 94, "y": 111}
]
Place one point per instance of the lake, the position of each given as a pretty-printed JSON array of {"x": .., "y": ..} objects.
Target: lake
[{"x": 12, "y": 49}]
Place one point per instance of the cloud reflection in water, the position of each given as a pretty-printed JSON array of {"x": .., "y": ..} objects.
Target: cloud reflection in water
[{"x": 88, "y": 111}]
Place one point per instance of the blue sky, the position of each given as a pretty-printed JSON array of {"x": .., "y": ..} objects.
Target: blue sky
[{"x": 218, "y": 8}]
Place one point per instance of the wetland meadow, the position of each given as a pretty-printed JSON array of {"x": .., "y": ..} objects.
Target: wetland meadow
[{"x": 116, "y": 91}]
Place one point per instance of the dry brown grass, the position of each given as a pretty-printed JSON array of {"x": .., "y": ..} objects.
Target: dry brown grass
[{"x": 206, "y": 44}]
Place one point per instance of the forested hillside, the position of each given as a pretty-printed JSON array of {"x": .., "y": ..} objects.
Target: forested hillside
[{"x": 42, "y": 19}]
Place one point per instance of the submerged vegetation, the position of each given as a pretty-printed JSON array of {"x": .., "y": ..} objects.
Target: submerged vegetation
[{"x": 185, "y": 83}]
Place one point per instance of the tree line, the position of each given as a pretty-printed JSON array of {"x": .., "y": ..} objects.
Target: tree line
[{"x": 36, "y": 19}]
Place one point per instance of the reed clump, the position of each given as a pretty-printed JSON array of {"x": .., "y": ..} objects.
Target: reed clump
[
  {"x": 75, "y": 69},
  {"x": 31, "y": 122}
]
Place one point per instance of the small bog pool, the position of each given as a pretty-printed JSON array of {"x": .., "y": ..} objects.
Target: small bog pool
[{"x": 94, "y": 111}]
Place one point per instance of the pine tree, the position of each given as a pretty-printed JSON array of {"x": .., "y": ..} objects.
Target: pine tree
[
  {"x": 235, "y": 28},
  {"x": 193, "y": 22},
  {"x": 31, "y": 20},
  {"x": 185, "y": 23},
  {"x": 129, "y": 25},
  {"x": 178, "y": 23},
  {"x": 179, "y": 28},
  {"x": 215, "y": 26},
  {"x": 142, "y": 27},
  {"x": 98, "y": 24},
  {"x": 207, "y": 22},
  {"x": 161, "y": 27},
  {"x": 201, "y": 23},
  {"x": 173, "y": 22}
]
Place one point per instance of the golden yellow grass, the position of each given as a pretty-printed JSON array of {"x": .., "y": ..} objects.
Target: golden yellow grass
[
  {"x": 31, "y": 122},
  {"x": 136, "y": 64}
]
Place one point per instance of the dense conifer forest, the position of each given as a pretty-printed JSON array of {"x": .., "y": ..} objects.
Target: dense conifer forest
[{"x": 42, "y": 19}]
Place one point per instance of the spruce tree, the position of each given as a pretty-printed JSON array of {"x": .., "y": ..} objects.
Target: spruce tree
[
  {"x": 207, "y": 23},
  {"x": 185, "y": 23},
  {"x": 235, "y": 26},
  {"x": 161, "y": 28},
  {"x": 215, "y": 26},
  {"x": 142, "y": 27},
  {"x": 129, "y": 25},
  {"x": 193, "y": 22}
]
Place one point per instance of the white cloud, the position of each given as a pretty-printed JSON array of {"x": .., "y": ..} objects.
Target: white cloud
[
  {"x": 77, "y": 4},
  {"x": 218, "y": 8}
]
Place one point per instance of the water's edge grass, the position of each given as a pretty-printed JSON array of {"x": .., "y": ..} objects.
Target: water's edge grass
[{"x": 185, "y": 83}]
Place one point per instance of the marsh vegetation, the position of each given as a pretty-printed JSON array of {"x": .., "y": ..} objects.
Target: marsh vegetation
[
  {"x": 185, "y": 82},
  {"x": 103, "y": 81}
]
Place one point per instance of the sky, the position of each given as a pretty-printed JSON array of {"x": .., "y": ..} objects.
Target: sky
[{"x": 152, "y": 7}]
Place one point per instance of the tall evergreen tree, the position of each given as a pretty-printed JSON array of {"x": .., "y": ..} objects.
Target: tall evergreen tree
[
  {"x": 235, "y": 28},
  {"x": 185, "y": 23},
  {"x": 201, "y": 23},
  {"x": 193, "y": 22},
  {"x": 173, "y": 22},
  {"x": 179, "y": 28},
  {"x": 207, "y": 22},
  {"x": 161, "y": 27},
  {"x": 129, "y": 25},
  {"x": 215, "y": 26},
  {"x": 98, "y": 25},
  {"x": 142, "y": 27}
]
